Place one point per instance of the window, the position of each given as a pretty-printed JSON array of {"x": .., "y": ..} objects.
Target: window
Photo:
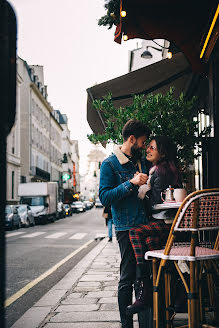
[
  {"x": 12, "y": 184},
  {"x": 13, "y": 142}
]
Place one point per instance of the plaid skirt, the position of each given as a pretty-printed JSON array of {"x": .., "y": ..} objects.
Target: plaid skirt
[{"x": 148, "y": 237}]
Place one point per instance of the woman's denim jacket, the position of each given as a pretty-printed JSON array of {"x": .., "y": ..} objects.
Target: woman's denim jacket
[{"x": 115, "y": 189}]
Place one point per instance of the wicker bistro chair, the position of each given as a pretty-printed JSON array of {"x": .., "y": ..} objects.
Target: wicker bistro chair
[{"x": 197, "y": 216}]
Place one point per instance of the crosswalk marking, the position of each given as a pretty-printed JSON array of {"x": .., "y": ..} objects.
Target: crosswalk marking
[
  {"x": 14, "y": 234},
  {"x": 34, "y": 234},
  {"x": 56, "y": 235},
  {"x": 78, "y": 236}
]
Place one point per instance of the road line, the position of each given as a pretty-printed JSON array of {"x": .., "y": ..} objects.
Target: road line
[
  {"x": 34, "y": 282},
  {"x": 56, "y": 235},
  {"x": 14, "y": 234},
  {"x": 78, "y": 236},
  {"x": 34, "y": 234}
]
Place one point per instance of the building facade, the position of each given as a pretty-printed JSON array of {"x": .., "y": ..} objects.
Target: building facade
[
  {"x": 90, "y": 181},
  {"x": 35, "y": 142},
  {"x": 39, "y": 147},
  {"x": 156, "y": 51},
  {"x": 70, "y": 156},
  {"x": 14, "y": 153}
]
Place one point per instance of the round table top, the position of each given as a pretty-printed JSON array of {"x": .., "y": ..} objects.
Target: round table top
[{"x": 167, "y": 205}]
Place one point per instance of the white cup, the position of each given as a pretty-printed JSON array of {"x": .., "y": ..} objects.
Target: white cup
[{"x": 179, "y": 194}]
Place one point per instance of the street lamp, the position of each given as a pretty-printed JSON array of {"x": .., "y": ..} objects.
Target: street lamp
[{"x": 148, "y": 55}]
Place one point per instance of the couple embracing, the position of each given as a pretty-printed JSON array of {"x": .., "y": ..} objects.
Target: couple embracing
[{"x": 131, "y": 185}]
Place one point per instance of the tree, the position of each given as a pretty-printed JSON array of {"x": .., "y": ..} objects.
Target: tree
[
  {"x": 112, "y": 16},
  {"x": 163, "y": 114}
]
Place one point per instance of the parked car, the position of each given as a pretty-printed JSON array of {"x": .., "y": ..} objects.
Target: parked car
[
  {"x": 78, "y": 207},
  {"x": 88, "y": 204},
  {"x": 12, "y": 218},
  {"x": 68, "y": 211},
  {"x": 98, "y": 203},
  {"x": 61, "y": 213},
  {"x": 26, "y": 215}
]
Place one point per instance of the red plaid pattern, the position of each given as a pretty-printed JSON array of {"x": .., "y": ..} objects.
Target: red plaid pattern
[{"x": 148, "y": 237}]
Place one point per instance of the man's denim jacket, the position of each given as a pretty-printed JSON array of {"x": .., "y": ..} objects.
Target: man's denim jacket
[{"x": 116, "y": 190}]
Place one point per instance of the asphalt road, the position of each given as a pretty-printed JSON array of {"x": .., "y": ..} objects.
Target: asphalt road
[{"x": 31, "y": 252}]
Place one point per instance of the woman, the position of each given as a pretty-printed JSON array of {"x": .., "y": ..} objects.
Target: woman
[{"x": 161, "y": 152}]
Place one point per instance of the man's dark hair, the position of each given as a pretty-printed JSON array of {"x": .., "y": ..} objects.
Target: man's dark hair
[{"x": 135, "y": 128}]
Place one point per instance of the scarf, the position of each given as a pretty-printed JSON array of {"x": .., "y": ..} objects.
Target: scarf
[{"x": 142, "y": 190}]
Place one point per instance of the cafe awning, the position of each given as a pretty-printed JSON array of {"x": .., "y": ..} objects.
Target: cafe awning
[
  {"x": 192, "y": 26},
  {"x": 155, "y": 78}
]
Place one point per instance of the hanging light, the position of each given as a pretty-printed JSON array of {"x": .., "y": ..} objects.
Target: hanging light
[
  {"x": 123, "y": 13},
  {"x": 169, "y": 55},
  {"x": 147, "y": 54},
  {"x": 125, "y": 37}
]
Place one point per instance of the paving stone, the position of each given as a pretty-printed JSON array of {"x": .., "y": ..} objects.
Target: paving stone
[
  {"x": 96, "y": 278},
  {"x": 76, "y": 295},
  {"x": 112, "y": 316},
  {"x": 101, "y": 294},
  {"x": 88, "y": 284},
  {"x": 108, "y": 300},
  {"x": 89, "y": 289},
  {"x": 109, "y": 307},
  {"x": 102, "y": 272},
  {"x": 115, "y": 288},
  {"x": 77, "y": 308},
  {"x": 111, "y": 283},
  {"x": 70, "y": 300},
  {"x": 102, "y": 269}
]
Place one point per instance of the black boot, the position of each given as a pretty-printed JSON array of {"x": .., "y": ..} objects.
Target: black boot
[{"x": 144, "y": 296}]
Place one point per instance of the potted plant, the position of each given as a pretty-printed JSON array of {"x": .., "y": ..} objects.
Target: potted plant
[{"x": 164, "y": 115}]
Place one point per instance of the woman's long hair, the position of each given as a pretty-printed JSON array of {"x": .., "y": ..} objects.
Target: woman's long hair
[{"x": 168, "y": 163}]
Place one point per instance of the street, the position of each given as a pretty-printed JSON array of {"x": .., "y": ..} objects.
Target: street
[{"x": 56, "y": 247}]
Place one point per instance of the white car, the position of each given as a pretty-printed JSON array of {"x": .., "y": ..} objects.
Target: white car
[
  {"x": 26, "y": 215},
  {"x": 78, "y": 207},
  {"x": 98, "y": 203}
]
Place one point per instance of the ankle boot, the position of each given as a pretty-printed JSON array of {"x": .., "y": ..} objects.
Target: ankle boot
[{"x": 144, "y": 298}]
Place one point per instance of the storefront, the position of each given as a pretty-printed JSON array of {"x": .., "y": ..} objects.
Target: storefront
[{"x": 193, "y": 70}]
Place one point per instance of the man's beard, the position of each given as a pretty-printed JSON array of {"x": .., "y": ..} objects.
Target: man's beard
[{"x": 136, "y": 152}]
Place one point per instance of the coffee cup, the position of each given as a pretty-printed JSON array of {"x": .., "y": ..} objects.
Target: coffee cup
[{"x": 179, "y": 194}]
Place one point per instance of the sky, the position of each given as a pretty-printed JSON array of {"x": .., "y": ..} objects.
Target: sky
[{"x": 64, "y": 37}]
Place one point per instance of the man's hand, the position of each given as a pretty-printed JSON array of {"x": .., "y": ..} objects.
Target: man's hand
[{"x": 139, "y": 179}]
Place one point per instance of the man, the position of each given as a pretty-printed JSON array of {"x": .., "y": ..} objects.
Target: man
[{"x": 120, "y": 176}]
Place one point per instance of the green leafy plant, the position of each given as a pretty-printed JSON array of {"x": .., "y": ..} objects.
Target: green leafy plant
[
  {"x": 113, "y": 14},
  {"x": 163, "y": 114}
]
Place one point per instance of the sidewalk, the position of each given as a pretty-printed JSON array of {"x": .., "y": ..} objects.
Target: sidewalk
[{"x": 85, "y": 298}]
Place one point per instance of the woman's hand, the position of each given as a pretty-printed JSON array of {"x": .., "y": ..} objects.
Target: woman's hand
[{"x": 139, "y": 179}]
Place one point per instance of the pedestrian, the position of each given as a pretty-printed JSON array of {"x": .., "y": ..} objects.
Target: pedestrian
[
  {"x": 107, "y": 214},
  {"x": 120, "y": 176},
  {"x": 161, "y": 152}
]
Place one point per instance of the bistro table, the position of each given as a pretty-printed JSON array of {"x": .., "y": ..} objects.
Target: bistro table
[
  {"x": 165, "y": 211},
  {"x": 167, "y": 205}
]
